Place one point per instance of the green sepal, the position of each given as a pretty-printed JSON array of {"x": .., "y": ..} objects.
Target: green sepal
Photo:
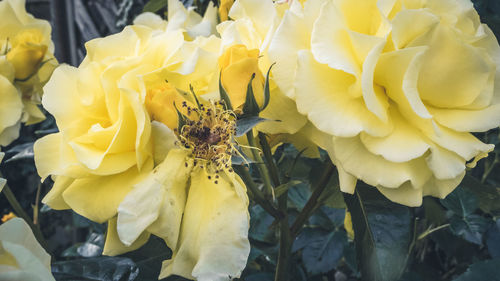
[
  {"x": 267, "y": 92},
  {"x": 250, "y": 108},
  {"x": 181, "y": 119},
  {"x": 224, "y": 96},
  {"x": 194, "y": 96}
]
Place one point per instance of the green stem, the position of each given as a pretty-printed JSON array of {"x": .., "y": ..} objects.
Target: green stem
[
  {"x": 19, "y": 211},
  {"x": 256, "y": 193},
  {"x": 489, "y": 169},
  {"x": 430, "y": 231},
  {"x": 264, "y": 173},
  {"x": 285, "y": 238},
  {"x": 312, "y": 203}
]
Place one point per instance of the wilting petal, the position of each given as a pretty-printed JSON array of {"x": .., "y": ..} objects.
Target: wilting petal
[
  {"x": 157, "y": 201},
  {"x": 213, "y": 242}
]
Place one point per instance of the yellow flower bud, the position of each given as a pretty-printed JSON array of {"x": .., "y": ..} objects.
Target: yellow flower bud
[
  {"x": 237, "y": 65},
  {"x": 27, "y": 52},
  {"x": 224, "y": 7},
  {"x": 160, "y": 104}
]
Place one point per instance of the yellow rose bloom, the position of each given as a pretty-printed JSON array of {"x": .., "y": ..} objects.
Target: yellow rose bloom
[
  {"x": 113, "y": 113},
  {"x": 224, "y": 7},
  {"x": 26, "y": 63},
  {"x": 21, "y": 256},
  {"x": 180, "y": 18},
  {"x": 392, "y": 89},
  {"x": 245, "y": 41},
  {"x": 194, "y": 201}
]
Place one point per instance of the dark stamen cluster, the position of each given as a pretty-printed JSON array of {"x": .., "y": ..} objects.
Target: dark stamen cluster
[{"x": 208, "y": 133}]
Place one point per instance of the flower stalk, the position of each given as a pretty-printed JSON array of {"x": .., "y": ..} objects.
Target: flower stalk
[
  {"x": 285, "y": 239},
  {"x": 312, "y": 203},
  {"x": 19, "y": 211}
]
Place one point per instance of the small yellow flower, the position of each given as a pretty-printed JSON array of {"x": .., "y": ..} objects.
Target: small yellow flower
[
  {"x": 8, "y": 216},
  {"x": 237, "y": 65},
  {"x": 224, "y": 7},
  {"x": 348, "y": 225},
  {"x": 27, "y": 52},
  {"x": 194, "y": 201},
  {"x": 21, "y": 256}
]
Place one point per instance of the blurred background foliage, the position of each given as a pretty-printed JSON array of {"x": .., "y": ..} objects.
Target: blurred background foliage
[{"x": 457, "y": 238}]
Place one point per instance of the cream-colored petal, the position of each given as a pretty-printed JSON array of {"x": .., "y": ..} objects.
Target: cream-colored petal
[
  {"x": 375, "y": 170},
  {"x": 163, "y": 141},
  {"x": 405, "y": 194},
  {"x": 158, "y": 200},
  {"x": 398, "y": 73},
  {"x": 213, "y": 243},
  {"x": 330, "y": 41},
  {"x": 441, "y": 188},
  {"x": 10, "y": 106},
  {"x": 151, "y": 20},
  {"x": 322, "y": 93},
  {"x": 463, "y": 71},
  {"x": 291, "y": 36},
  {"x": 98, "y": 198},
  {"x": 464, "y": 120},
  {"x": 17, "y": 239},
  {"x": 445, "y": 164},
  {"x": 283, "y": 115},
  {"x": 54, "y": 157},
  {"x": 410, "y": 24},
  {"x": 113, "y": 246},
  {"x": 10, "y": 134},
  {"x": 403, "y": 144}
]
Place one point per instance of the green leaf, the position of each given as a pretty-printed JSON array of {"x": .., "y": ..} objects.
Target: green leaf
[
  {"x": 154, "y": 6},
  {"x": 261, "y": 225},
  {"x": 461, "y": 201},
  {"x": 382, "y": 234},
  {"x": 246, "y": 123},
  {"x": 267, "y": 92},
  {"x": 224, "y": 96},
  {"x": 191, "y": 89},
  {"x": 250, "y": 108},
  {"x": 321, "y": 249},
  {"x": 284, "y": 187},
  {"x": 100, "y": 268},
  {"x": 488, "y": 196},
  {"x": 493, "y": 240},
  {"x": 149, "y": 258},
  {"x": 483, "y": 270},
  {"x": 470, "y": 228}
]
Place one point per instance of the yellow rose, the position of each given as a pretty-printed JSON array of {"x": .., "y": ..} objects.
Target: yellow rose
[
  {"x": 392, "y": 89},
  {"x": 26, "y": 62},
  {"x": 180, "y": 18},
  {"x": 21, "y": 256},
  {"x": 237, "y": 65},
  {"x": 27, "y": 52},
  {"x": 115, "y": 113},
  {"x": 224, "y": 7},
  {"x": 245, "y": 41},
  {"x": 194, "y": 201}
]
